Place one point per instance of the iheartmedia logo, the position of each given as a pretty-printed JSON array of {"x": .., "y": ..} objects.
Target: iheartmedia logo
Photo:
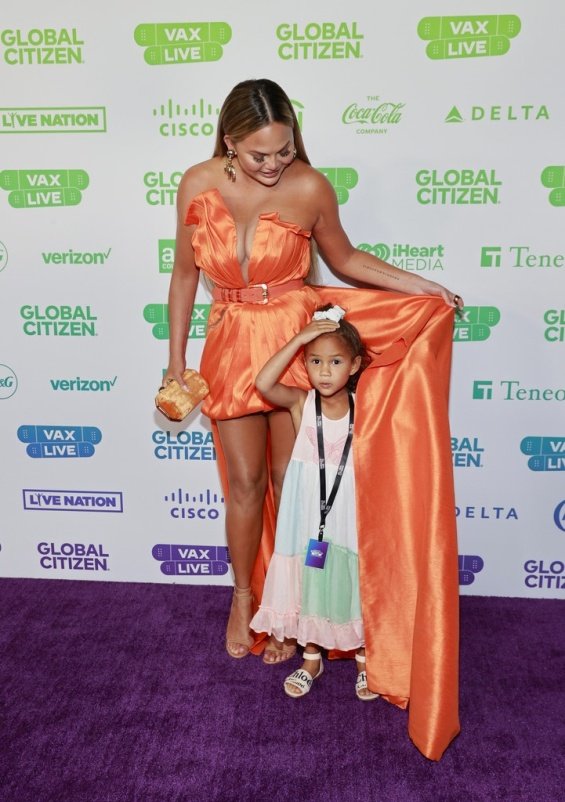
[
  {"x": 406, "y": 256},
  {"x": 73, "y": 500},
  {"x": 192, "y": 560},
  {"x": 59, "y": 441}
]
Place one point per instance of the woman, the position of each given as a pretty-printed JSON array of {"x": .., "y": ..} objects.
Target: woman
[{"x": 246, "y": 217}]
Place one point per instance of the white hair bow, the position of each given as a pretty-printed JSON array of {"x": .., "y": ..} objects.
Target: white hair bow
[{"x": 335, "y": 313}]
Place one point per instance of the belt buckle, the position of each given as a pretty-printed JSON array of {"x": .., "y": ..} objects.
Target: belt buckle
[{"x": 265, "y": 290}]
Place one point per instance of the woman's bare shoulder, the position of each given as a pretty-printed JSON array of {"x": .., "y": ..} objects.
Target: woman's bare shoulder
[{"x": 199, "y": 178}]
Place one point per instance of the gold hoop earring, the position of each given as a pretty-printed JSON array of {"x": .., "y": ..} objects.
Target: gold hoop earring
[
  {"x": 294, "y": 154},
  {"x": 229, "y": 169}
]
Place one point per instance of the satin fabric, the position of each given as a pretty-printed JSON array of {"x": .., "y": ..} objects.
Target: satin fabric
[{"x": 401, "y": 449}]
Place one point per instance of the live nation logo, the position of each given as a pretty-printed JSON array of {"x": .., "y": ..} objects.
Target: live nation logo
[
  {"x": 191, "y": 560},
  {"x": 59, "y": 441},
  {"x": 73, "y": 500},
  {"x": 544, "y": 453},
  {"x": 342, "y": 180},
  {"x": 182, "y": 42},
  {"x": 469, "y": 36},
  {"x": 52, "y": 119}
]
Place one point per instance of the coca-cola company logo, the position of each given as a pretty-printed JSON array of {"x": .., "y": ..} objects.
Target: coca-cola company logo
[{"x": 373, "y": 116}]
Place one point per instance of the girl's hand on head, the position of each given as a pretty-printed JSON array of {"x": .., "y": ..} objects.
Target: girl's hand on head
[{"x": 315, "y": 328}]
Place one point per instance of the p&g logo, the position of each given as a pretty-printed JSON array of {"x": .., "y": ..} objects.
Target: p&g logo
[
  {"x": 8, "y": 382},
  {"x": 59, "y": 441}
]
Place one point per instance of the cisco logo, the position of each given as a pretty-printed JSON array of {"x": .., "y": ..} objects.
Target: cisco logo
[
  {"x": 192, "y": 560},
  {"x": 469, "y": 566},
  {"x": 177, "y": 119},
  {"x": 59, "y": 441},
  {"x": 203, "y": 506}
]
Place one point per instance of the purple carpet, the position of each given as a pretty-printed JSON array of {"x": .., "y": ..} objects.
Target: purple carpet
[{"x": 117, "y": 692}]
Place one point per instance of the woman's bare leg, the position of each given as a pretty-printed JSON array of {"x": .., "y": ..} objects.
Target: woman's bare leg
[
  {"x": 244, "y": 443},
  {"x": 282, "y": 442}
]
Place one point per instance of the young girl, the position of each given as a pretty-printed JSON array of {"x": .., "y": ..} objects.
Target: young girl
[{"x": 312, "y": 586}]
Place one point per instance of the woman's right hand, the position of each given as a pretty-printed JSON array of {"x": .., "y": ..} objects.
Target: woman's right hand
[{"x": 175, "y": 371}]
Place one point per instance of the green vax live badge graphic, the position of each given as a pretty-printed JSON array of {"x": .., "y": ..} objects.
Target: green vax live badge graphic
[
  {"x": 342, "y": 180},
  {"x": 182, "y": 42},
  {"x": 33, "y": 188},
  {"x": 158, "y": 316},
  {"x": 474, "y": 323},
  {"x": 468, "y": 37},
  {"x": 554, "y": 179}
]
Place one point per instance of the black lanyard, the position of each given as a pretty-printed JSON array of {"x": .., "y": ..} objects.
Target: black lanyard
[{"x": 325, "y": 506}]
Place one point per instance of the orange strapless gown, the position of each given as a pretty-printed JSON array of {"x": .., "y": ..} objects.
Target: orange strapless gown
[{"x": 402, "y": 452}]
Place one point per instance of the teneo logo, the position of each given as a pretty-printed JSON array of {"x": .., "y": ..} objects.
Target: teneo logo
[
  {"x": 8, "y": 382},
  {"x": 469, "y": 565},
  {"x": 204, "y": 506},
  {"x": 319, "y": 40},
  {"x": 72, "y": 257},
  {"x": 511, "y": 390},
  {"x": 158, "y": 316},
  {"x": 185, "y": 120},
  {"x": 545, "y": 453},
  {"x": 182, "y": 42},
  {"x": 166, "y": 255},
  {"x": 59, "y": 441},
  {"x": 73, "y": 500},
  {"x": 52, "y": 120},
  {"x": 466, "y": 452},
  {"x": 35, "y": 188},
  {"x": 59, "y": 321},
  {"x": 457, "y": 187},
  {"x": 42, "y": 46},
  {"x": 192, "y": 444},
  {"x": 79, "y": 385},
  {"x": 3, "y": 256},
  {"x": 406, "y": 256},
  {"x": 372, "y": 116},
  {"x": 559, "y": 516},
  {"x": 519, "y": 256},
  {"x": 524, "y": 113},
  {"x": 342, "y": 180},
  {"x": 473, "y": 323},
  {"x": 554, "y": 179},
  {"x": 555, "y": 320},
  {"x": 73, "y": 556},
  {"x": 192, "y": 560},
  {"x": 487, "y": 513},
  {"x": 161, "y": 189},
  {"x": 540, "y": 574},
  {"x": 468, "y": 37}
]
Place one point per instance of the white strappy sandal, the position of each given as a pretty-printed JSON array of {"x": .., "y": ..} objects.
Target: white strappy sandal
[
  {"x": 361, "y": 684},
  {"x": 302, "y": 679}
]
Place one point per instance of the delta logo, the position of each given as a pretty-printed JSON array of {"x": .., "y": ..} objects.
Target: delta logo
[
  {"x": 59, "y": 442},
  {"x": 527, "y": 112},
  {"x": 544, "y": 453},
  {"x": 191, "y": 560},
  {"x": 342, "y": 179},
  {"x": 28, "y": 189},
  {"x": 158, "y": 316},
  {"x": 182, "y": 42},
  {"x": 553, "y": 178},
  {"x": 474, "y": 323},
  {"x": 468, "y": 37}
]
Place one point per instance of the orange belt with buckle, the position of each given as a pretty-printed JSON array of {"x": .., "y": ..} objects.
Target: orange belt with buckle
[{"x": 255, "y": 293}]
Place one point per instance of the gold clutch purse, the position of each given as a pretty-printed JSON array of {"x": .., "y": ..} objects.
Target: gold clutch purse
[{"x": 174, "y": 402}]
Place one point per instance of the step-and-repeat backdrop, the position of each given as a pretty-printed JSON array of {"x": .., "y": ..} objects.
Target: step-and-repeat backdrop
[{"x": 441, "y": 126}]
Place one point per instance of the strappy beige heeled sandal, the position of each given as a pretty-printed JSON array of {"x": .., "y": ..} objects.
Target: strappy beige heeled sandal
[{"x": 232, "y": 646}]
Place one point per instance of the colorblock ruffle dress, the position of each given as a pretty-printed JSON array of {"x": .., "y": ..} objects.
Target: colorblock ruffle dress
[
  {"x": 314, "y": 605},
  {"x": 405, "y": 501}
]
